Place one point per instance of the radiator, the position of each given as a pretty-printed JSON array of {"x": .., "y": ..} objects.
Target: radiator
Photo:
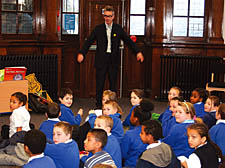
[
  {"x": 186, "y": 72},
  {"x": 44, "y": 67}
]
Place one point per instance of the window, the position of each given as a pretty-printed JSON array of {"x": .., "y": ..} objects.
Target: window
[
  {"x": 16, "y": 16},
  {"x": 137, "y": 17},
  {"x": 70, "y": 17},
  {"x": 188, "y": 18}
]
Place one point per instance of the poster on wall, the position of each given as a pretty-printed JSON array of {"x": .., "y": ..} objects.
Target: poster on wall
[{"x": 69, "y": 22}]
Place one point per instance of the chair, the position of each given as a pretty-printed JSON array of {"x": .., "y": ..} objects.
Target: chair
[{"x": 217, "y": 78}]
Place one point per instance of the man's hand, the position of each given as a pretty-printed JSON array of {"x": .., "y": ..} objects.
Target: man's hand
[
  {"x": 80, "y": 58},
  {"x": 140, "y": 57}
]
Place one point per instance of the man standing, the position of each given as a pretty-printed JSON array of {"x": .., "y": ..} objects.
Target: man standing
[{"x": 107, "y": 58}]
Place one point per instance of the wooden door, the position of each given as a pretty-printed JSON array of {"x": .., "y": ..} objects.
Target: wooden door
[{"x": 91, "y": 15}]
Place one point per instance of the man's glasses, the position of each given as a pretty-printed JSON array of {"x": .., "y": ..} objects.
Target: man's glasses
[{"x": 108, "y": 16}]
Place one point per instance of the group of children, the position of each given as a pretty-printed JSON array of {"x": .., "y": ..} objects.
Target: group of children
[{"x": 188, "y": 134}]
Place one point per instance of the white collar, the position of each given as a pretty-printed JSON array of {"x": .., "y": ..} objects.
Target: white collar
[
  {"x": 53, "y": 119},
  {"x": 109, "y": 134},
  {"x": 153, "y": 145},
  {"x": 199, "y": 103},
  {"x": 35, "y": 157},
  {"x": 220, "y": 121},
  {"x": 68, "y": 141}
]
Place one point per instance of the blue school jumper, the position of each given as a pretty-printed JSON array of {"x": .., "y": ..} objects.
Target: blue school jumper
[
  {"x": 47, "y": 127},
  {"x": 132, "y": 147},
  {"x": 65, "y": 155},
  {"x": 126, "y": 122},
  {"x": 210, "y": 118},
  {"x": 167, "y": 122},
  {"x": 161, "y": 115},
  {"x": 178, "y": 140},
  {"x": 117, "y": 129},
  {"x": 41, "y": 162},
  {"x": 217, "y": 134},
  {"x": 199, "y": 109},
  {"x": 68, "y": 116}
]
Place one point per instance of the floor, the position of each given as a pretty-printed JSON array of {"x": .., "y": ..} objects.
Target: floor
[{"x": 86, "y": 104}]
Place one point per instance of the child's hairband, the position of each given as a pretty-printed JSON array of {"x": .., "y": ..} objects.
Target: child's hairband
[{"x": 186, "y": 106}]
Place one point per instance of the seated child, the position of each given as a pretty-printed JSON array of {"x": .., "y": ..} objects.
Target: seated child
[
  {"x": 34, "y": 146},
  {"x": 217, "y": 133},
  {"x": 66, "y": 100},
  {"x": 135, "y": 98},
  {"x": 65, "y": 151},
  {"x": 174, "y": 92},
  {"x": 198, "y": 98},
  {"x": 112, "y": 109},
  {"x": 131, "y": 145},
  {"x": 206, "y": 153},
  {"x": 94, "y": 143},
  {"x": 157, "y": 154},
  {"x": 112, "y": 146},
  {"x": 211, "y": 105},
  {"x": 53, "y": 113},
  {"x": 168, "y": 119},
  {"x": 177, "y": 137},
  {"x": 20, "y": 117}
]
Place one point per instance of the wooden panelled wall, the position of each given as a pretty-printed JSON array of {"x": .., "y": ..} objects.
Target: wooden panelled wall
[{"x": 158, "y": 40}]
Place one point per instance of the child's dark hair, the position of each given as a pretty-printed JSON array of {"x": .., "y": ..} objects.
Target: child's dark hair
[
  {"x": 35, "y": 140},
  {"x": 64, "y": 91},
  {"x": 139, "y": 93},
  {"x": 154, "y": 128},
  {"x": 53, "y": 110},
  {"x": 100, "y": 135},
  {"x": 179, "y": 99},
  {"x": 221, "y": 111},
  {"x": 21, "y": 97},
  {"x": 215, "y": 100},
  {"x": 143, "y": 111},
  {"x": 203, "y": 131},
  {"x": 202, "y": 93}
]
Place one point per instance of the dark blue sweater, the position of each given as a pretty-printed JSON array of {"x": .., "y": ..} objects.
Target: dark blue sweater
[
  {"x": 68, "y": 116},
  {"x": 199, "y": 109},
  {"x": 40, "y": 163},
  {"x": 126, "y": 122},
  {"x": 210, "y": 119},
  {"x": 47, "y": 128},
  {"x": 167, "y": 122}
]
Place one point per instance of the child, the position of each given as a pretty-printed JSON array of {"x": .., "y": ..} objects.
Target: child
[
  {"x": 217, "y": 132},
  {"x": 20, "y": 117},
  {"x": 211, "y": 105},
  {"x": 135, "y": 98},
  {"x": 94, "y": 143},
  {"x": 131, "y": 145},
  {"x": 34, "y": 146},
  {"x": 112, "y": 146},
  {"x": 206, "y": 153},
  {"x": 177, "y": 137},
  {"x": 66, "y": 100},
  {"x": 174, "y": 92},
  {"x": 157, "y": 154},
  {"x": 169, "y": 119},
  {"x": 65, "y": 151},
  {"x": 198, "y": 98},
  {"x": 52, "y": 114}
]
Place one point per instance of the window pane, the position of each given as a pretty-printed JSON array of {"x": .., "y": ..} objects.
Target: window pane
[
  {"x": 70, "y": 5},
  {"x": 25, "y": 23},
  {"x": 8, "y": 4},
  {"x": 8, "y": 23},
  {"x": 137, "y": 7},
  {"x": 180, "y": 7},
  {"x": 179, "y": 26},
  {"x": 70, "y": 24},
  {"x": 137, "y": 25},
  {"x": 196, "y": 27},
  {"x": 25, "y": 5},
  {"x": 197, "y": 7}
]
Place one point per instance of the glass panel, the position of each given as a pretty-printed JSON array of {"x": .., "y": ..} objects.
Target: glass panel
[
  {"x": 8, "y": 23},
  {"x": 25, "y": 5},
  {"x": 8, "y": 4},
  {"x": 179, "y": 26},
  {"x": 197, "y": 7},
  {"x": 180, "y": 7},
  {"x": 137, "y": 25},
  {"x": 70, "y": 24},
  {"x": 70, "y": 5},
  {"x": 137, "y": 7},
  {"x": 25, "y": 23},
  {"x": 196, "y": 27}
]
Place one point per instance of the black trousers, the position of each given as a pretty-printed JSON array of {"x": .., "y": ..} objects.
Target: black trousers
[{"x": 101, "y": 73}]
